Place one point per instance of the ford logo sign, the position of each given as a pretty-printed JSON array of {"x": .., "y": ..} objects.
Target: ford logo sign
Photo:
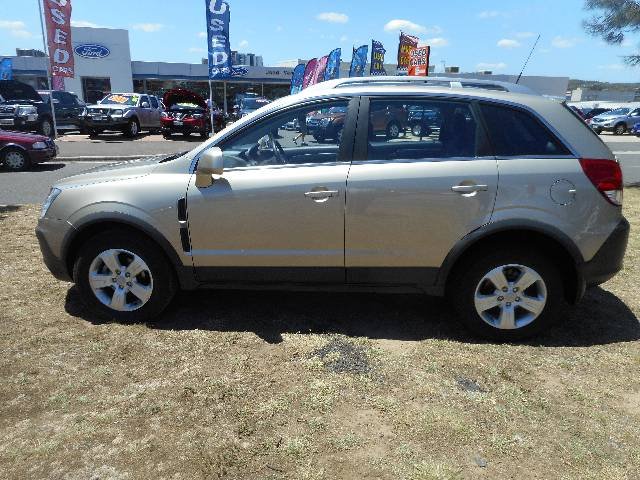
[{"x": 92, "y": 50}]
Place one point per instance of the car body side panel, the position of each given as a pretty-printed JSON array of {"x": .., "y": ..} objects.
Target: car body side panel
[{"x": 539, "y": 190}]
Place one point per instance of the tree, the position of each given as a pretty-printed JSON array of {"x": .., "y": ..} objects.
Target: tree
[{"x": 614, "y": 20}]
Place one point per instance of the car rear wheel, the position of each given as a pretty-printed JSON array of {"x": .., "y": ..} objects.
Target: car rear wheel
[
  {"x": 94, "y": 132},
  {"x": 416, "y": 130},
  {"x": 186, "y": 134},
  {"x": 132, "y": 129},
  {"x": 393, "y": 130},
  {"x": 16, "y": 160},
  {"x": 507, "y": 295},
  {"x": 122, "y": 276},
  {"x": 620, "y": 129},
  {"x": 46, "y": 127}
]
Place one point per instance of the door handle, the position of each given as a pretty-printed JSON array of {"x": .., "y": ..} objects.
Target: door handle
[
  {"x": 470, "y": 188},
  {"x": 321, "y": 194}
]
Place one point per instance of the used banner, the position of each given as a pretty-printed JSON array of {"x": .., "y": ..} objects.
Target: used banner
[
  {"x": 57, "y": 15},
  {"x": 219, "y": 47},
  {"x": 377, "y": 58},
  {"x": 359, "y": 61},
  {"x": 333, "y": 65},
  {"x": 321, "y": 69},
  {"x": 6, "y": 69},
  {"x": 419, "y": 61},
  {"x": 297, "y": 78},
  {"x": 309, "y": 72},
  {"x": 407, "y": 42}
]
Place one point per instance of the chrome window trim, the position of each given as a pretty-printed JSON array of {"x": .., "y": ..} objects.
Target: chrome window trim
[{"x": 423, "y": 160}]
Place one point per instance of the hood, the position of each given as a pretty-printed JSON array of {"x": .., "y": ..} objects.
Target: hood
[
  {"x": 181, "y": 95},
  {"x": 114, "y": 172},
  {"x": 12, "y": 90},
  {"x": 608, "y": 116},
  {"x": 6, "y": 135},
  {"x": 109, "y": 106}
]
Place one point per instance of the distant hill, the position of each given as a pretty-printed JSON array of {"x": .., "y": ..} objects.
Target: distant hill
[{"x": 593, "y": 85}]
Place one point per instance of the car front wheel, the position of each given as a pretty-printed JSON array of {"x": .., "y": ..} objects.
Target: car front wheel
[
  {"x": 393, "y": 130},
  {"x": 46, "y": 127},
  {"x": 122, "y": 276},
  {"x": 507, "y": 295},
  {"x": 15, "y": 160},
  {"x": 132, "y": 129},
  {"x": 620, "y": 129}
]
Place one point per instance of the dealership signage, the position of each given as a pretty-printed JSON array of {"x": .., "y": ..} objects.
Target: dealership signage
[
  {"x": 219, "y": 47},
  {"x": 57, "y": 14},
  {"x": 419, "y": 61},
  {"x": 92, "y": 50}
]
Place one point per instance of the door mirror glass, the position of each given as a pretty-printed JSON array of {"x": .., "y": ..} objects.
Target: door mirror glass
[{"x": 211, "y": 163}]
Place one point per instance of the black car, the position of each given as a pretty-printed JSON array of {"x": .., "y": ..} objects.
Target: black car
[
  {"x": 21, "y": 108},
  {"x": 422, "y": 121},
  {"x": 68, "y": 110}
]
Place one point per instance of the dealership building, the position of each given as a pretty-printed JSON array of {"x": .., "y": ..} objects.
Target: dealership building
[{"x": 103, "y": 64}]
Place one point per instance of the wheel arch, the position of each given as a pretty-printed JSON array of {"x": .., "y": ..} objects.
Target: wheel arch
[
  {"x": 12, "y": 146},
  {"x": 92, "y": 227},
  {"x": 545, "y": 237}
]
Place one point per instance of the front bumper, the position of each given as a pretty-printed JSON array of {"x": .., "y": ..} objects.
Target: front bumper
[
  {"x": 38, "y": 156},
  {"x": 106, "y": 123},
  {"x": 51, "y": 235},
  {"x": 601, "y": 128},
  {"x": 186, "y": 127},
  {"x": 18, "y": 123},
  {"x": 609, "y": 259}
]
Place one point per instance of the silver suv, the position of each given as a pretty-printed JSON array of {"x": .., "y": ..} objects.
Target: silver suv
[
  {"x": 619, "y": 121},
  {"x": 506, "y": 203},
  {"x": 129, "y": 113}
]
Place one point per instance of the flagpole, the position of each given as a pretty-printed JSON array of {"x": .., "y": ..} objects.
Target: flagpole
[
  {"x": 46, "y": 49},
  {"x": 211, "y": 105}
]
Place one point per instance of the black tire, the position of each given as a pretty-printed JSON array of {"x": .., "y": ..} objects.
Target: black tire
[
  {"x": 204, "y": 134},
  {"x": 132, "y": 129},
  {"x": 466, "y": 278},
  {"x": 319, "y": 138},
  {"x": 164, "y": 281},
  {"x": 186, "y": 134},
  {"x": 94, "y": 132},
  {"x": 393, "y": 130},
  {"x": 416, "y": 130},
  {"x": 166, "y": 136},
  {"x": 620, "y": 129},
  {"x": 45, "y": 127},
  {"x": 19, "y": 160}
]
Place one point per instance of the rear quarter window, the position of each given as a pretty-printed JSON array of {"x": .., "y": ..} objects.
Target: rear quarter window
[{"x": 514, "y": 132}]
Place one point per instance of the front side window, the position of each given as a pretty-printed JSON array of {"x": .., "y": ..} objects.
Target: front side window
[
  {"x": 517, "y": 133},
  {"x": 423, "y": 129},
  {"x": 308, "y": 135}
]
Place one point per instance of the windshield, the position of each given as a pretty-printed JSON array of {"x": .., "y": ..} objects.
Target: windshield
[
  {"x": 254, "y": 103},
  {"x": 18, "y": 91},
  {"x": 619, "y": 111},
  {"x": 119, "y": 99}
]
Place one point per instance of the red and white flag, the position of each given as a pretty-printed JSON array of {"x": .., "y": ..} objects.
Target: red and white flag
[{"x": 57, "y": 15}]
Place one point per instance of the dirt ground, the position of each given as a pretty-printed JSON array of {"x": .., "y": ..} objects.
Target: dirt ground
[{"x": 244, "y": 385}]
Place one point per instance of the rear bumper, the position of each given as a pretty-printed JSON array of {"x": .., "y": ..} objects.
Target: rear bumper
[{"x": 609, "y": 259}]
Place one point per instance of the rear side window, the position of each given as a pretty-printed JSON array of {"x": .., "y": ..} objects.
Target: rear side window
[
  {"x": 154, "y": 102},
  {"x": 515, "y": 133}
]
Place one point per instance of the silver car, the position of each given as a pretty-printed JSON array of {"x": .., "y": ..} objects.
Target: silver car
[
  {"x": 619, "y": 121},
  {"x": 506, "y": 203},
  {"x": 129, "y": 113}
]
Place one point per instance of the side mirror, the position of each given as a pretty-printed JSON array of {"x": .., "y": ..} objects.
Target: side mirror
[
  {"x": 211, "y": 163},
  {"x": 145, "y": 105}
]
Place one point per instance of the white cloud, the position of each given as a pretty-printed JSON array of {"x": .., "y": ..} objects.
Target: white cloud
[
  {"x": 437, "y": 42},
  {"x": 490, "y": 14},
  {"x": 525, "y": 35},
  {"x": 508, "y": 43},
  {"x": 332, "y": 17},
  {"x": 491, "y": 66},
  {"x": 564, "y": 42},
  {"x": 243, "y": 44},
  {"x": 84, "y": 23},
  {"x": 397, "y": 25},
  {"x": 202, "y": 34},
  {"x": 626, "y": 43},
  {"x": 197, "y": 50},
  {"x": 148, "y": 27},
  {"x": 16, "y": 28}
]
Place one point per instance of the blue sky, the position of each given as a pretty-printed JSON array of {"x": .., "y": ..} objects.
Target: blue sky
[{"x": 481, "y": 34}]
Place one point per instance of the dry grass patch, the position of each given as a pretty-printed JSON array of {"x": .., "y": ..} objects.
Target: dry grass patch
[{"x": 249, "y": 385}]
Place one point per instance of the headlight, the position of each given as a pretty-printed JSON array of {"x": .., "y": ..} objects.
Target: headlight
[
  {"x": 26, "y": 111},
  {"x": 39, "y": 146},
  {"x": 197, "y": 115},
  {"x": 117, "y": 113},
  {"x": 53, "y": 194},
  {"x": 84, "y": 113}
]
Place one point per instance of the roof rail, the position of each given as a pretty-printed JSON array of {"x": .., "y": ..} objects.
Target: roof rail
[{"x": 429, "y": 81}]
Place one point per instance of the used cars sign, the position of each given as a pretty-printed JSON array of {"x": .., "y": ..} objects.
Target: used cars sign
[{"x": 92, "y": 50}]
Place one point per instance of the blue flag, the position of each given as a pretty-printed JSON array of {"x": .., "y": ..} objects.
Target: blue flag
[
  {"x": 377, "y": 58},
  {"x": 6, "y": 69},
  {"x": 333, "y": 65},
  {"x": 219, "y": 47},
  {"x": 296, "y": 80},
  {"x": 359, "y": 61}
]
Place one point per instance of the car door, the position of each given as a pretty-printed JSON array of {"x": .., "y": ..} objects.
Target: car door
[
  {"x": 144, "y": 112},
  {"x": 411, "y": 198},
  {"x": 634, "y": 117},
  {"x": 154, "y": 120},
  {"x": 61, "y": 105},
  {"x": 277, "y": 212}
]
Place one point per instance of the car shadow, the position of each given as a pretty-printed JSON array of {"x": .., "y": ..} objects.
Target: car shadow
[
  {"x": 47, "y": 167},
  {"x": 5, "y": 209},
  {"x": 602, "y": 318}
]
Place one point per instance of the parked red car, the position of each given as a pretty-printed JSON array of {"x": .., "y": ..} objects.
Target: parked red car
[
  {"x": 187, "y": 112},
  {"x": 18, "y": 151}
]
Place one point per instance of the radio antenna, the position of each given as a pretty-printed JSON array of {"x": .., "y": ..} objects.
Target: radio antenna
[{"x": 528, "y": 58}]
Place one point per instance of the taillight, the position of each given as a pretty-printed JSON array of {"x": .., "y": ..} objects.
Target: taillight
[{"x": 606, "y": 176}]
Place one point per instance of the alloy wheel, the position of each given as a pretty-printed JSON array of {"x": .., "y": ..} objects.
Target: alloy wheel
[
  {"x": 394, "y": 130},
  {"x": 133, "y": 128},
  {"x": 121, "y": 280},
  {"x": 15, "y": 160},
  {"x": 510, "y": 297}
]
